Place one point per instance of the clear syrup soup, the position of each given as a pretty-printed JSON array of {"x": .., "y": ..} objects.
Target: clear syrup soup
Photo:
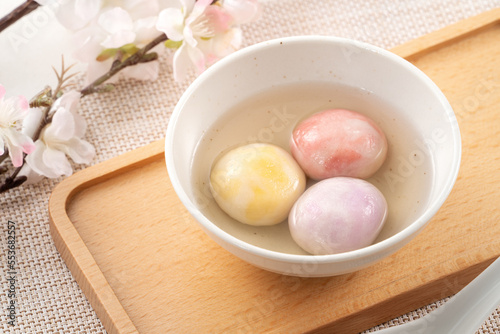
[{"x": 270, "y": 117}]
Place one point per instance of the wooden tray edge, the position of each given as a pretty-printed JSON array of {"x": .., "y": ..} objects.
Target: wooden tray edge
[
  {"x": 73, "y": 250},
  {"x": 447, "y": 35},
  {"x": 84, "y": 268}
]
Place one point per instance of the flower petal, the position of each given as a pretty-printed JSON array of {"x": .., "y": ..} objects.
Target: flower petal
[
  {"x": 35, "y": 161},
  {"x": 70, "y": 16},
  {"x": 20, "y": 140},
  {"x": 188, "y": 5},
  {"x": 80, "y": 124},
  {"x": 184, "y": 59},
  {"x": 62, "y": 127},
  {"x": 118, "y": 39},
  {"x": 181, "y": 63},
  {"x": 171, "y": 22},
  {"x": 197, "y": 57},
  {"x": 189, "y": 36},
  {"x": 69, "y": 101},
  {"x": 145, "y": 29},
  {"x": 115, "y": 20},
  {"x": 219, "y": 19},
  {"x": 80, "y": 151},
  {"x": 57, "y": 162},
  {"x": 224, "y": 44},
  {"x": 146, "y": 71},
  {"x": 16, "y": 155},
  {"x": 13, "y": 109},
  {"x": 17, "y": 143},
  {"x": 243, "y": 11},
  {"x": 141, "y": 8},
  {"x": 197, "y": 25},
  {"x": 32, "y": 121},
  {"x": 22, "y": 103},
  {"x": 198, "y": 9},
  {"x": 87, "y": 9},
  {"x": 33, "y": 177},
  {"x": 88, "y": 43}
]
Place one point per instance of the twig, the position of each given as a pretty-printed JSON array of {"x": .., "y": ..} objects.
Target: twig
[
  {"x": 11, "y": 183},
  {"x": 140, "y": 56},
  {"x": 4, "y": 155},
  {"x": 22, "y": 10},
  {"x": 61, "y": 79}
]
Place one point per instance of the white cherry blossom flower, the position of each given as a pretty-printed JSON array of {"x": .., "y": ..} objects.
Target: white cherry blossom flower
[
  {"x": 60, "y": 139},
  {"x": 243, "y": 11},
  {"x": 203, "y": 32},
  {"x": 118, "y": 26},
  {"x": 187, "y": 24},
  {"x": 13, "y": 110},
  {"x": 74, "y": 14},
  {"x": 115, "y": 31}
]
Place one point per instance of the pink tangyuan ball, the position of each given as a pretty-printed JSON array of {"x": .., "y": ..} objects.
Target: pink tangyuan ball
[
  {"x": 338, "y": 142},
  {"x": 337, "y": 215}
]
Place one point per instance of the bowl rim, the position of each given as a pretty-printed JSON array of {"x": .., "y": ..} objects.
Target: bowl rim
[{"x": 404, "y": 235}]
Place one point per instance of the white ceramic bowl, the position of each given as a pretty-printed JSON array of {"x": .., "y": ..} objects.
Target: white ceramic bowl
[{"x": 418, "y": 116}]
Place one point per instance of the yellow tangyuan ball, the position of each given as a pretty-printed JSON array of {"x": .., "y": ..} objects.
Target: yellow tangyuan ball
[{"x": 257, "y": 184}]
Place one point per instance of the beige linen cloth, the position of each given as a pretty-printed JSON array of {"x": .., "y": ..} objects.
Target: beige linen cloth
[{"x": 137, "y": 113}]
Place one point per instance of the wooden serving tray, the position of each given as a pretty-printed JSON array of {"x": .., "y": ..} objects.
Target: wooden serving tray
[{"x": 146, "y": 267}]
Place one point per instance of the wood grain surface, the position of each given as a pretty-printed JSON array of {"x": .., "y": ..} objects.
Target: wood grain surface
[{"x": 146, "y": 267}]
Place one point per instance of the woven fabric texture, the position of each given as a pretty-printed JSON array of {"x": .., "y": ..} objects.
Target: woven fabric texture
[{"x": 137, "y": 113}]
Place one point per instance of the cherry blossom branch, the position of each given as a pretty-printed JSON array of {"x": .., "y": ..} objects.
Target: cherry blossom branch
[
  {"x": 4, "y": 156},
  {"x": 22, "y": 10},
  {"x": 215, "y": 24},
  {"x": 13, "y": 181},
  {"x": 47, "y": 97},
  {"x": 141, "y": 56}
]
